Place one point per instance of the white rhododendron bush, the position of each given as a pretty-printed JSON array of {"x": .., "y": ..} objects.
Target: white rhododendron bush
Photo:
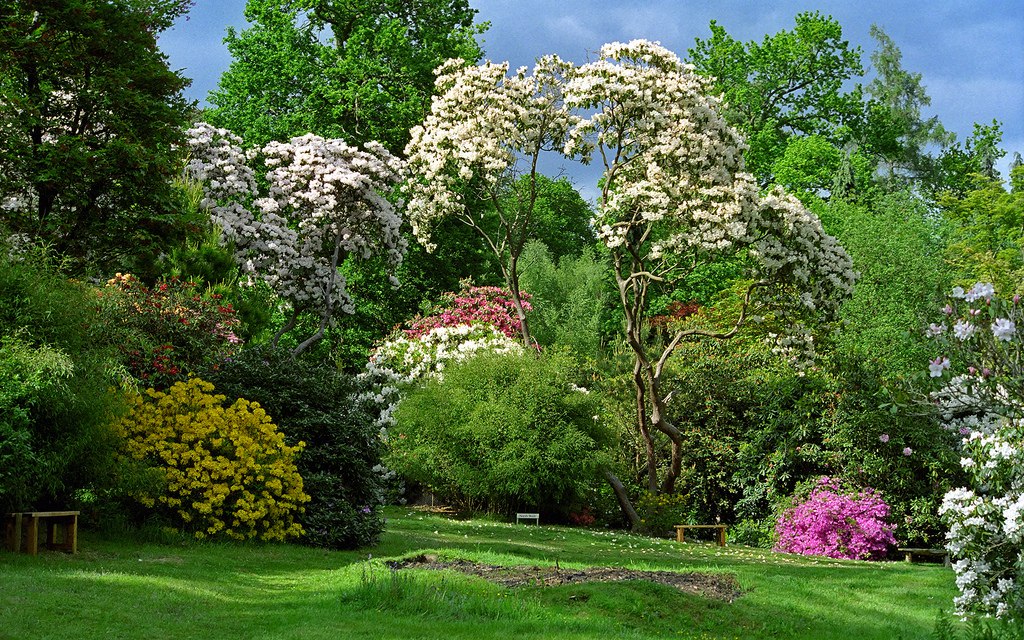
[
  {"x": 325, "y": 202},
  {"x": 412, "y": 358},
  {"x": 982, "y": 364}
]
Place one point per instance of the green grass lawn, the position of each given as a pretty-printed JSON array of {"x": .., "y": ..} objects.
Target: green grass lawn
[{"x": 121, "y": 589}]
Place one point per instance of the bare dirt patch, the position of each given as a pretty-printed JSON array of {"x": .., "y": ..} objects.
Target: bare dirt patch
[{"x": 710, "y": 585}]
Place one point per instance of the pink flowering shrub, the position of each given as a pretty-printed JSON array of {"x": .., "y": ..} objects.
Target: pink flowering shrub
[
  {"x": 473, "y": 305},
  {"x": 837, "y": 522}
]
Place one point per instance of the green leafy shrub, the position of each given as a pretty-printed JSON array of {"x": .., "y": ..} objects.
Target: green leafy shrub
[
  {"x": 27, "y": 375},
  {"x": 55, "y": 374},
  {"x": 753, "y": 533},
  {"x": 228, "y": 470},
  {"x": 753, "y": 429},
  {"x": 333, "y": 413},
  {"x": 571, "y": 299},
  {"x": 501, "y": 433},
  {"x": 660, "y": 512}
]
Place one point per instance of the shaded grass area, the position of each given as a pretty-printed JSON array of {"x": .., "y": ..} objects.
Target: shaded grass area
[{"x": 118, "y": 588}]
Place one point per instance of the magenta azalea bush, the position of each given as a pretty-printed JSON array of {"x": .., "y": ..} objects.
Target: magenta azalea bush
[{"x": 837, "y": 522}]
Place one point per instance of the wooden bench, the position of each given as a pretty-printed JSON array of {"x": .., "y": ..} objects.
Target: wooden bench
[
  {"x": 528, "y": 516},
  {"x": 25, "y": 526},
  {"x": 682, "y": 527},
  {"x": 909, "y": 554}
]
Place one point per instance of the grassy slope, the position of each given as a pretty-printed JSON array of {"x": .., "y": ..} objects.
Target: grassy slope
[{"x": 118, "y": 589}]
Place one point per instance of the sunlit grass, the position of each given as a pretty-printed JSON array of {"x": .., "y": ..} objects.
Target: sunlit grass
[{"x": 125, "y": 589}]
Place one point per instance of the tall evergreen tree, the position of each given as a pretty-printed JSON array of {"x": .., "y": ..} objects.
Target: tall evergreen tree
[{"x": 897, "y": 133}]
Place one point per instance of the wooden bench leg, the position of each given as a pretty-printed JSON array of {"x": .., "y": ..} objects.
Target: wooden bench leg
[
  {"x": 17, "y": 533},
  {"x": 721, "y": 536},
  {"x": 71, "y": 534},
  {"x": 32, "y": 544}
]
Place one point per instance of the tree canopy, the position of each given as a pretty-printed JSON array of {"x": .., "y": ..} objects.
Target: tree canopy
[
  {"x": 357, "y": 70},
  {"x": 91, "y": 120},
  {"x": 790, "y": 83}
]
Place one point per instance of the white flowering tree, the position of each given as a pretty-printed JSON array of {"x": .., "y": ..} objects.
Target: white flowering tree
[
  {"x": 674, "y": 198},
  {"x": 326, "y": 202},
  {"x": 982, "y": 364},
  {"x": 474, "y": 158}
]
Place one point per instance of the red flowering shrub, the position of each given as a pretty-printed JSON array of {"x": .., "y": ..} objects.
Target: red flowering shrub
[
  {"x": 674, "y": 312},
  {"x": 491, "y": 305},
  {"x": 169, "y": 330}
]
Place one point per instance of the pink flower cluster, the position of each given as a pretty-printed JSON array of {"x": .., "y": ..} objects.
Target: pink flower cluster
[
  {"x": 491, "y": 305},
  {"x": 836, "y": 522}
]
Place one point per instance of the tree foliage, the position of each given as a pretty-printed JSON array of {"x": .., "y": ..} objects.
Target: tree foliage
[
  {"x": 898, "y": 249},
  {"x": 360, "y": 71},
  {"x": 91, "y": 124},
  {"x": 56, "y": 374},
  {"x": 572, "y": 300},
  {"x": 791, "y": 83},
  {"x": 987, "y": 234},
  {"x": 896, "y": 131}
]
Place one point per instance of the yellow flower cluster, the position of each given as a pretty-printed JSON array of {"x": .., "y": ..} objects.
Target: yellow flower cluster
[{"x": 229, "y": 472}]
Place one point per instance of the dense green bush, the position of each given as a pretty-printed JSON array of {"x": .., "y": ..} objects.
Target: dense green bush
[
  {"x": 56, "y": 409},
  {"x": 330, "y": 411},
  {"x": 660, "y": 512},
  {"x": 753, "y": 429},
  {"x": 571, "y": 299},
  {"x": 501, "y": 433}
]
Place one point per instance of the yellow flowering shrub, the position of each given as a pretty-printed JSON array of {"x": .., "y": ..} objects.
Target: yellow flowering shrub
[{"x": 229, "y": 472}]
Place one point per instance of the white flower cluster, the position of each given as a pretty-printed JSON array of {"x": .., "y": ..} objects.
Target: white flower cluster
[
  {"x": 674, "y": 183},
  {"x": 426, "y": 356},
  {"x": 481, "y": 121},
  {"x": 986, "y": 407},
  {"x": 326, "y": 201},
  {"x": 794, "y": 249},
  {"x": 381, "y": 397}
]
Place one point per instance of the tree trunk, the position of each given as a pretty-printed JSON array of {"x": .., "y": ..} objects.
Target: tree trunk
[
  {"x": 513, "y": 286},
  {"x": 623, "y": 498},
  {"x": 645, "y": 432}
]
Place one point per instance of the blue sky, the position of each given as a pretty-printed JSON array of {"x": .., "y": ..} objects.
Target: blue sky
[{"x": 970, "y": 52}]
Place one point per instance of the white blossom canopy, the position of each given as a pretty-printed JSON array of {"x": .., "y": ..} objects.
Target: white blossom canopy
[{"x": 326, "y": 201}]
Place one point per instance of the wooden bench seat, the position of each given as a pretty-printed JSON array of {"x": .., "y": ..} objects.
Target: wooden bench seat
[
  {"x": 682, "y": 527},
  {"x": 910, "y": 553},
  {"x": 24, "y": 527}
]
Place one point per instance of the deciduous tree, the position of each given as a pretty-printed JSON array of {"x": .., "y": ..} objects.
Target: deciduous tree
[
  {"x": 675, "y": 196},
  {"x": 474, "y": 158},
  {"x": 360, "y": 70},
  {"x": 90, "y": 123},
  {"x": 326, "y": 202},
  {"x": 791, "y": 83}
]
